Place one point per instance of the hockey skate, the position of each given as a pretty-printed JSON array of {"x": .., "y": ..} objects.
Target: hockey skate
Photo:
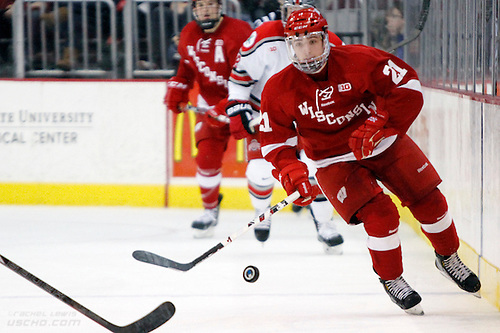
[
  {"x": 455, "y": 270},
  {"x": 262, "y": 229},
  {"x": 403, "y": 295},
  {"x": 204, "y": 225},
  {"x": 330, "y": 238}
]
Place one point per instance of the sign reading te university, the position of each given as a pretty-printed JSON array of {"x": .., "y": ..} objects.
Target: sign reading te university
[{"x": 104, "y": 138}]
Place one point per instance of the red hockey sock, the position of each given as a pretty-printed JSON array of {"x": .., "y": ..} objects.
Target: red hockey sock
[
  {"x": 210, "y": 196},
  {"x": 387, "y": 264},
  {"x": 436, "y": 222},
  {"x": 381, "y": 221}
]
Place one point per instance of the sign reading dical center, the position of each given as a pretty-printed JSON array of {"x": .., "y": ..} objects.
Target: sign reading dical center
[{"x": 92, "y": 132}]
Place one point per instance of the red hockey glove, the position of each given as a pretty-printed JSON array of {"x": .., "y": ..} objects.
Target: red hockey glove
[
  {"x": 240, "y": 115},
  {"x": 216, "y": 115},
  {"x": 177, "y": 95},
  {"x": 295, "y": 177},
  {"x": 364, "y": 140}
]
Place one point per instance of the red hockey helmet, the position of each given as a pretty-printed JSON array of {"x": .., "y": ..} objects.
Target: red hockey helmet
[
  {"x": 306, "y": 36},
  {"x": 207, "y": 13}
]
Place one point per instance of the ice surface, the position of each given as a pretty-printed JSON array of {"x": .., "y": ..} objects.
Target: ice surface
[{"x": 86, "y": 253}]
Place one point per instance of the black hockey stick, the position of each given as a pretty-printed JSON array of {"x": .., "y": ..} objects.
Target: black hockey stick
[
  {"x": 151, "y": 321},
  {"x": 154, "y": 259},
  {"x": 418, "y": 28}
]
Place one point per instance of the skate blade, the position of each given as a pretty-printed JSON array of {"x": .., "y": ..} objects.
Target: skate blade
[
  {"x": 333, "y": 250},
  {"x": 416, "y": 310},
  {"x": 476, "y": 294},
  {"x": 207, "y": 233}
]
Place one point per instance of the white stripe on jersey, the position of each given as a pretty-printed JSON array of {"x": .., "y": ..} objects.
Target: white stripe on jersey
[
  {"x": 290, "y": 142},
  {"x": 413, "y": 85}
]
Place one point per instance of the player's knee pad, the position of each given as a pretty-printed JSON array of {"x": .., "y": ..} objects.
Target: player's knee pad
[
  {"x": 379, "y": 216},
  {"x": 431, "y": 208},
  {"x": 259, "y": 173},
  {"x": 321, "y": 209},
  {"x": 210, "y": 153}
]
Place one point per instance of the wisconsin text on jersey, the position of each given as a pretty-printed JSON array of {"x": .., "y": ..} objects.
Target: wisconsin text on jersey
[
  {"x": 203, "y": 46},
  {"x": 330, "y": 118}
]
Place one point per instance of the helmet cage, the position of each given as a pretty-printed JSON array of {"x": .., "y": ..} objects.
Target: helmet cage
[
  {"x": 207, "y": 24},
  {"x": 311, "y": 65},
  {"x": 301, "y": 26}
]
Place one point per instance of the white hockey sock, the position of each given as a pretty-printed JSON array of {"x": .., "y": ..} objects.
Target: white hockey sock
[{"x": 322, "y": 210}]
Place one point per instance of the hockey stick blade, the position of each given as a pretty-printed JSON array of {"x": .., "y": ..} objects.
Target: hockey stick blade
[
  {"x": 155, "y": 259},
  {"x": 418, "y": 28},
  {"x": 148, "y": 323}
]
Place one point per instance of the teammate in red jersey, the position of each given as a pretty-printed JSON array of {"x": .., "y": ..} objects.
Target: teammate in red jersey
[
  {"x": 350, "y": 107},
  {"x": 208, "y": 47},
  {"x": 261, "y": 56}
]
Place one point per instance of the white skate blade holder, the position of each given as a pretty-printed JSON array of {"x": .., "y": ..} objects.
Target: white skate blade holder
[
  {"x": 416, "y": 310},
  {"x": 206, "y": 233}
]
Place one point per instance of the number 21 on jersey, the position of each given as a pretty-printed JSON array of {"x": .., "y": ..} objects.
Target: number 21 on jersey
[
  {"x": 395, "y": 71},
  {"x": 265, "y": 126}
]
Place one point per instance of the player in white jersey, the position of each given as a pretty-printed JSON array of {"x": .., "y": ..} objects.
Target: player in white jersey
[{"x": 261, "y": 56}]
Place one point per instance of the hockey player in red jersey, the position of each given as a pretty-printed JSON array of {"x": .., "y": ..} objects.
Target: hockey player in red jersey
[
  {"x": 261, "y": 56},
  {"x": 350, "y": 107},
  {"x": 208, "y": 47}
]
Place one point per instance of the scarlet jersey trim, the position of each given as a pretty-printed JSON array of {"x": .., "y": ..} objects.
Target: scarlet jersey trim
[{"x": 241, "y": 78}]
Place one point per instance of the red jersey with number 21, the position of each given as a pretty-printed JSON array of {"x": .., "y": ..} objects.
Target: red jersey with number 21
[{"x": 323, "y": 114}]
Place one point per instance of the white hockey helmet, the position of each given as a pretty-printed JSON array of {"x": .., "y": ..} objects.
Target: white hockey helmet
[
  {"x": 207, "y": 13},
  {"x": 306, "y": 36},
  {"x": 289, "y": 6}
]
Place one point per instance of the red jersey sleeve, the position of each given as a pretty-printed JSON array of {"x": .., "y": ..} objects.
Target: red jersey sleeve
[
  {"x": 278, "y": 133},
  {"x": 184, "y": 69},
  {"x": 397, "y": 89}
]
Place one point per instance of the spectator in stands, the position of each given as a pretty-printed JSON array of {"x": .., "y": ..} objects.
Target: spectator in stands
[
  {"x": 181, "y": 11},
  {"x": 395, "y": 24},
  {"x": 86, "y": 17},
  {"x": 35, "y": 9},
  {"x": 389, "y": 30}
]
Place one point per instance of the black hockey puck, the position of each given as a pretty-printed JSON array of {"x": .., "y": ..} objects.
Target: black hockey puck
[{"x": 251, "y": 274}]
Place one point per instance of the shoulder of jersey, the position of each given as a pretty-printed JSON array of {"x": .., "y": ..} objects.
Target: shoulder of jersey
[
  {"x": 356, "y": 49},
  {"x": 267, "y": 32},
  {"x": 285, "y": 78},
  {"x": 190, "y": 28}
]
